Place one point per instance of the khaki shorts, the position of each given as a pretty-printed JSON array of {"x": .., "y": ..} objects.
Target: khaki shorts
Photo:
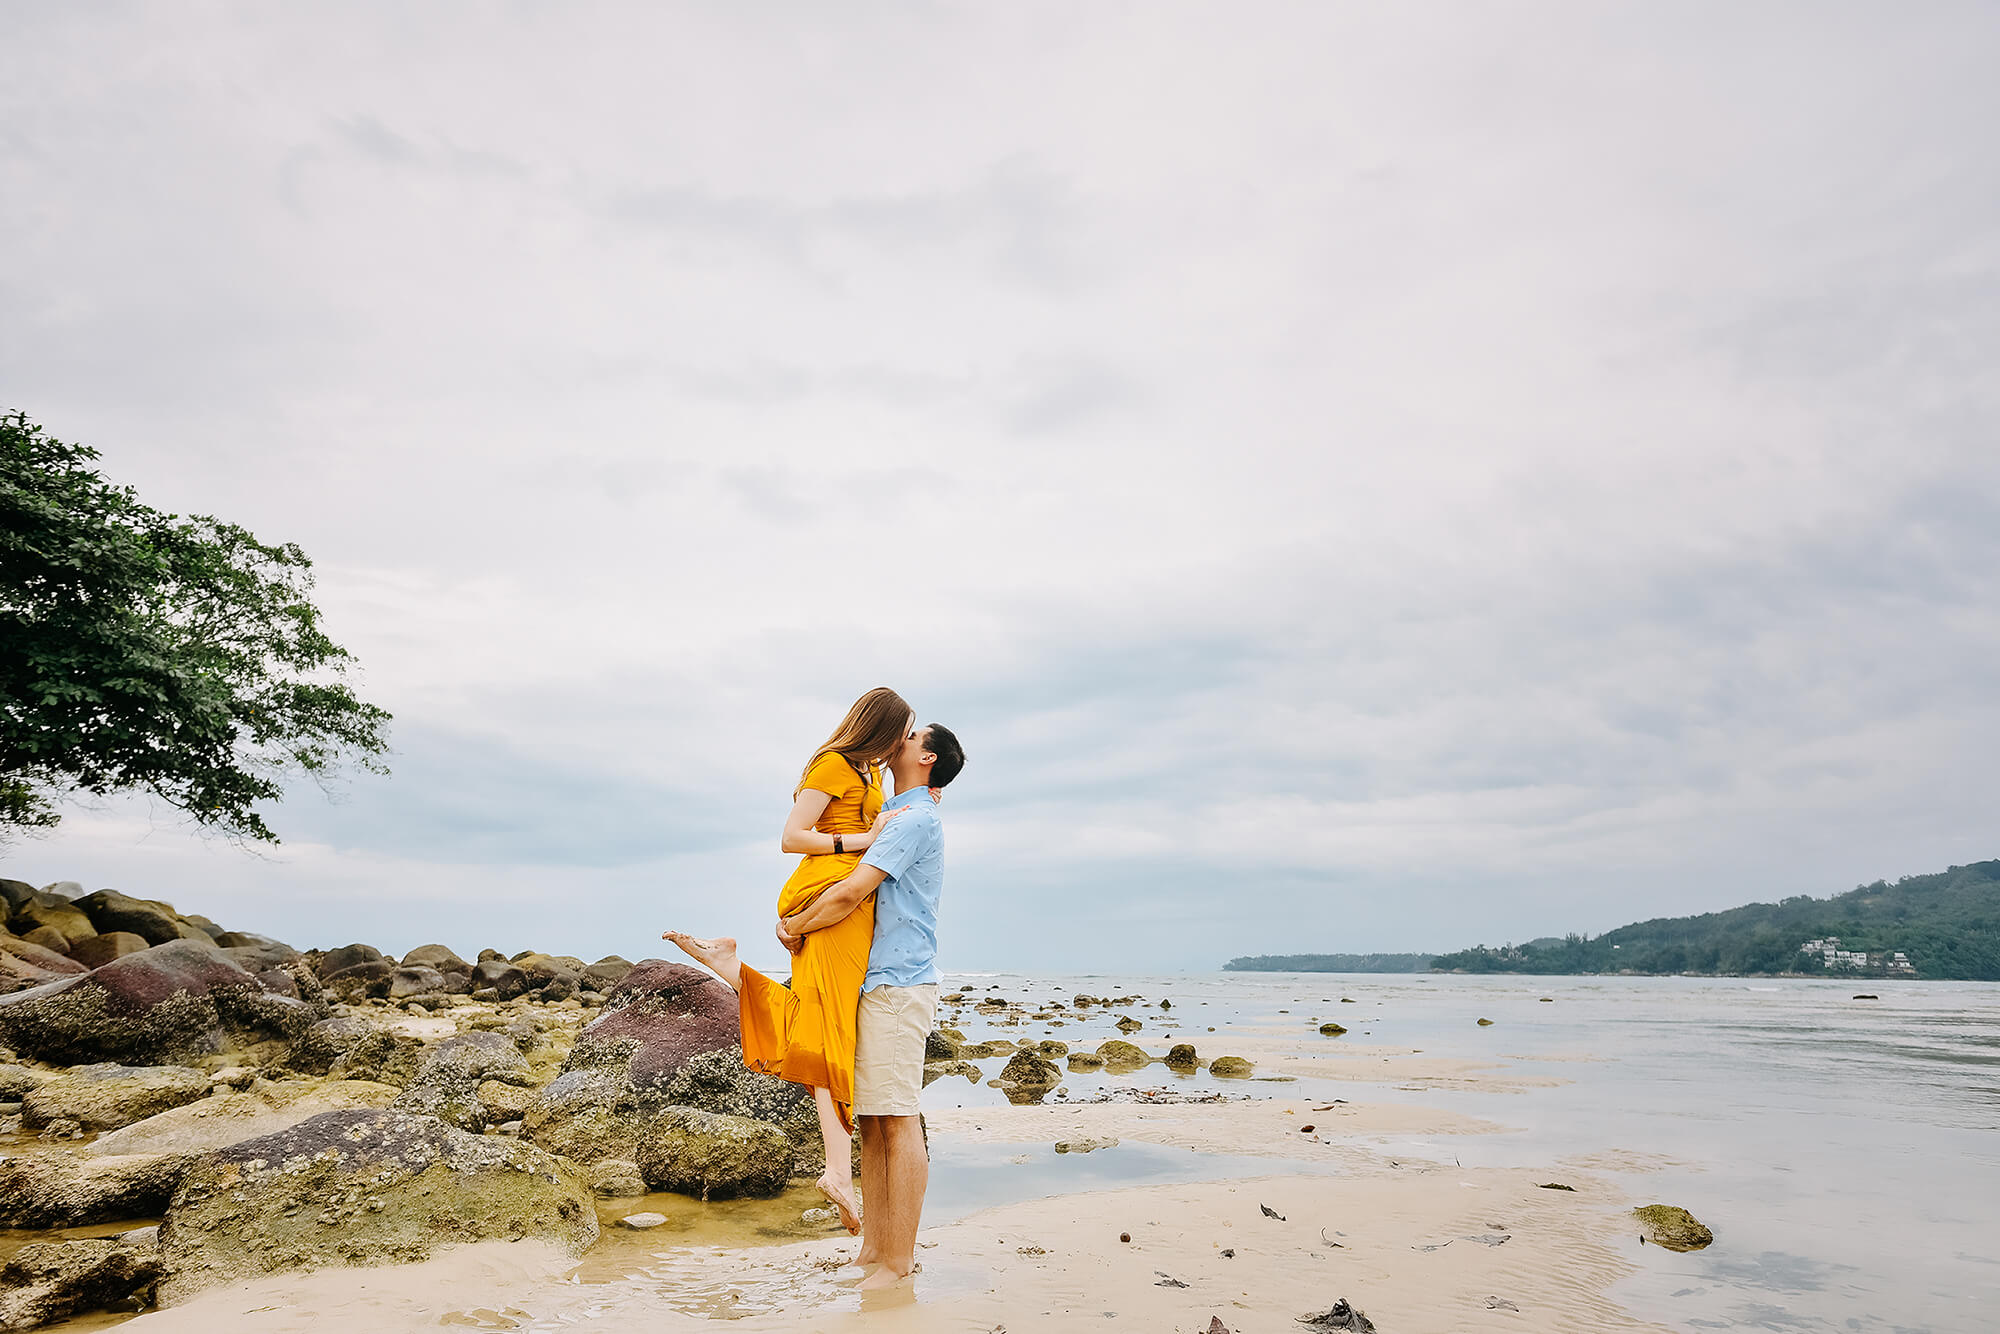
[{"x": 891, "y": 1028}]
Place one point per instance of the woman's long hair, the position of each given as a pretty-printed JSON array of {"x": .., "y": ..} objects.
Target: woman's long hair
[{"x": 869, "y": 735}]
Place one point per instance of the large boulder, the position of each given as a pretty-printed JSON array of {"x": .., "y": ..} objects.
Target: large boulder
[
  {"x": 607, "y": 972},
  {"x": 24, "y": 964},
  {"x": 667, "y": 1036},
  {"x": 501, "y": 976},
  {"x": 447, "y": 1083},
  {"x": 105, "y": 1097},
  {"x": 332, "y": 961},
  {"x": 713, "y": 1156},
  {"x": 105, "y": 946},
  {"x": 439, "y": 957},
  {"x": 408, "y": 981},
  {"x": 360, "y": 981},
  {"x": 173, "y": 1002},
  {"x": 265, "y": 1108},
  {"x": 257, "y": 953},
  {"x": 48, "y": 910},
  {"x": 362, "y": 1188},
  {"x": 53, "y": 1280},
  {"x": 51, "y": 1188},
  {"x": 14, "y": 893},
  {"x": 347, "y": 1046},
  {"x": 157, "y": 922}
]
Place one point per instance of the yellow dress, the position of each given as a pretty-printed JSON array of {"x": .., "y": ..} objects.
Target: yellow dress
[{"x": 805, "y": 1032}]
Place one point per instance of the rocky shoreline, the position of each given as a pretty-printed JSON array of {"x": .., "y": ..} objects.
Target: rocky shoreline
[{"x": 283, "y": 1110}]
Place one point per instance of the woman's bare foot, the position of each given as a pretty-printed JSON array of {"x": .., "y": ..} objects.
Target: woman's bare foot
[
  {"x": 840, "y": 1195},
  {"x": 718, "y": 954}
]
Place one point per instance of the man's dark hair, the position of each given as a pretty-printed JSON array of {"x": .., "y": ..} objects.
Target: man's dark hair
[{"x": 950, "y": 755}]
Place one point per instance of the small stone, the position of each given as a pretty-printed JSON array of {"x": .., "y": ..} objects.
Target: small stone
[
  {"x": 1332, "y": 1030},
  {"x": 1229, "y": 1067},
  {"x": 1486, "y": 1023},
  {"x": 1124, "y": 1236},
  {"x": 640, "y": 1222},
  {"x": 1086, "y": 1145},
  {"x": 1673, "y": 1227}
]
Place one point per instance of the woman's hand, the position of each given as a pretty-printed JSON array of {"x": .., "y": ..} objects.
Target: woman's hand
[
  {"x": 937, "y": 795},
  {"x": 862, "y": 842},
  {"x": 788, "y": 940}
]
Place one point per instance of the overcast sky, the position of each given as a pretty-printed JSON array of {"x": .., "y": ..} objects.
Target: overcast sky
[{"x": 1355, "y": 476}]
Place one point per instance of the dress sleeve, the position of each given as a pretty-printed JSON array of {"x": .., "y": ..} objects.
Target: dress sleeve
[{"x": 834, "y": 776}]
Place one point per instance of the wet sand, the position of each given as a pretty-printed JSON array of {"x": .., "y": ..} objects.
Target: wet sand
[{"x": 1419, "y": 1245}]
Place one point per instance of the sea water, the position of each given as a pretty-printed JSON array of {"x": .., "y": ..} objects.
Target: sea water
[{"x": 1845, "y": 1152}]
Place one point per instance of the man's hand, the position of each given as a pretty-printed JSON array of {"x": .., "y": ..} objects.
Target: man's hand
[{"x": 788, "y": 940}]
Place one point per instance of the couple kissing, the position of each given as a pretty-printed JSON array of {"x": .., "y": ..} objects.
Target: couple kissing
[{"x": 859, "y": 916}]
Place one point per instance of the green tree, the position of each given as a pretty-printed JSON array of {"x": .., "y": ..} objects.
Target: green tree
[{"x": 142, "y": 651}]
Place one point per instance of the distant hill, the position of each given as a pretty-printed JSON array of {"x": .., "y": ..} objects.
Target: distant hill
[
  {"x": 1947, "y": 926},
  {"x": 1330, "y": 963}
]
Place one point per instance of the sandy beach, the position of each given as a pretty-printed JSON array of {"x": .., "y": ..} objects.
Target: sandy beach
[{"x": 1416, "y": 1244}]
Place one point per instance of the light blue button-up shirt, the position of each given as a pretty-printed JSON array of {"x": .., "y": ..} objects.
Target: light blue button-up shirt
[{"x": 910, "y": 850}]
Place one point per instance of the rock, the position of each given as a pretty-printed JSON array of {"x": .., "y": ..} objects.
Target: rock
[
  {"x": 109, "y": 910},
  {"x": 1129, "y": 1025},
  {"x": 438, "y": 957},
  {"x": 219, "y": 1121},
  {"x": 53, "y": 1188},
  {"x": 18, "y": 1081},
  {"x": 334, "y": 961},
  {"x": 1181, "y": 1056},
  {"x": 1089, "y": 1144},
  {"x": 504, "y": 1102},
  {"x": 1673, "y": 1227},
  {"x": 979, "y": 1051},
  {"x": 14, "y": 893},
  {"x": 172, "y": 1002},
  {"x": 24, "y": 964},
  {"x": 50, "y": 939},
  {"x": 1340, "y": 1316},
  {"x": 934, "y": 1070},
  {"x": 447, "y": 1083},
  {"x": 257, "y": 954},
  {"x": 362, "y": 1187},
  {"x": 59, "y": 914},
  {"x": 105, "y": 1097},
  {"x": 1332, "y": 1030},
  {"x": 1486, "y": 1023},
  {"x": 49, "y": 1281},
  {"x": 1085, "y": 1060},
  {"x": 349, "y": 1047},
  {"x": 502, "y": 978},
  {"x": 409, "y": 981},
  {"x": 713, "y": 1156},
  {"x": 667, "y": 1036},
  {"x": 1122, "y": 1055},
  {"x": 1031, "y": 1071},
  {"x": 105, "y": 946},
  {"x": 1230, "y": 1067},
  {"x": 616, "y": 1178},
  {"x": 938, "y": 1047},
  {"x": 608, "y": 972},
  {"x": 361, "y": 981},
  {"x": 641, "y": 1222}
]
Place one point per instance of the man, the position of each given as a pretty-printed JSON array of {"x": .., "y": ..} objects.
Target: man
[{"x": 904, "y": 870}]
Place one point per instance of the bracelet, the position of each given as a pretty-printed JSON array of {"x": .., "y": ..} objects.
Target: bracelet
[{"x": 837, "y": 848}]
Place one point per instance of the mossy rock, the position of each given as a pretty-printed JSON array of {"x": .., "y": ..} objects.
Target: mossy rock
[
  {"x": 1486, "y": 1023},
  {"x": 1122, "y": 1055},
  {"x": 1673, "y": 1227},
  {"x": 1332, "y": 1030},
  {"x": 1085, "y": 1060},
  {"x": 1181, "y": 1056},
  {"x": 1230, "y": 1067}
]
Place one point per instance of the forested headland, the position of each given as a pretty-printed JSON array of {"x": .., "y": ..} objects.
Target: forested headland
[
  {"x": 1947, "y": 926},
  {"x": 1329, "y": 963}
]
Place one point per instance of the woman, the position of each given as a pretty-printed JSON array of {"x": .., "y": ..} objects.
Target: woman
[{"x": 805, "y": 1032}]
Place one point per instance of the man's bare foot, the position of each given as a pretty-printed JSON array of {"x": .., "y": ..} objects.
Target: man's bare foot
[
  {"x": 886, "y": 1277},
  {"x": 865, "y": 1260},
  {"x": 840, "y": 1195},
  {"x": 719, "y": 954}
]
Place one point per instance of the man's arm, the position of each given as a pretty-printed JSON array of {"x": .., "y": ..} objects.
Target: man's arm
[{"x": 836, "y": 902}]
